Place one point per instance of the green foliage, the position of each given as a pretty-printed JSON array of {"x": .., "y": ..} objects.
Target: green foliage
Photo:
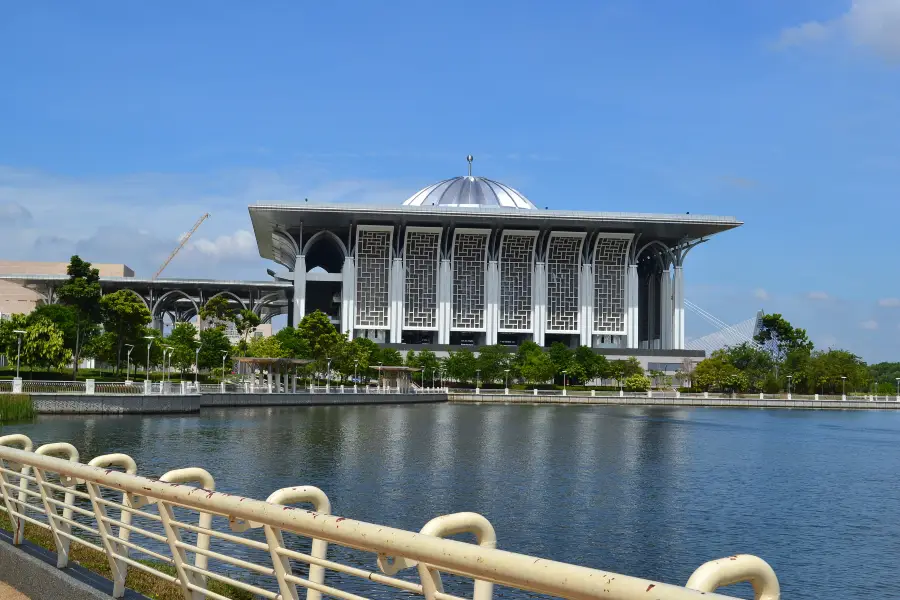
[
  {"x": 636, "y": 383},
  {"x": 125, "y": 317},
  {"x": 217, "y": 311},
  {"x": 779, "y": 338},
  {"x": 493, "y": 361},
  {"x": 620, "y": 370},
  {"x": 388, "y": 357},
  {"x": 321, "y": 340},
  {"x": 462, "y": 366},
  {"x": 213, "y": 343},
  {"x": 365, "y": 351},
  {"x": 64, "y": 318},
  {"x": 756, "y": 364},
  {"x": 183, "y": 340},
  {"x": 245, "y": 321},
  {"x": 15, "y": 407},
  {"x": 561, "y": 356},
  {"x": 292, "y": 343},
  {"x": 538, "y": 368},
  {"x": 427, "y": 362},
  {"x": 9, "y": 339},
  {"x": 265, "y": 347},
  {"x": 43, "y": 345},
  {"x": 587, "y": 365},
  {"x": 82, "y": 293}
]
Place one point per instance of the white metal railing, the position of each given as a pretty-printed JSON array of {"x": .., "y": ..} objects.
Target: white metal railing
[{"x": 271, "y": 548}]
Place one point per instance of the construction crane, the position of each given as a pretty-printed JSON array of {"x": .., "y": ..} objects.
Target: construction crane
[{"x": 181, "y": 245}]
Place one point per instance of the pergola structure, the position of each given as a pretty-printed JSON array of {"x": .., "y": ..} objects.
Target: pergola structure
[
  {"x": 270, "y": 374},
  {"x": 395, "y": 378}
]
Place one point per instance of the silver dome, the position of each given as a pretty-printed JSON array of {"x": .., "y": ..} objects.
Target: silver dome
[{"x": 470, "y": 192}]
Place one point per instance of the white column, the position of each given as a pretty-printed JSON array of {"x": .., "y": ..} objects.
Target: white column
[
  {"x": 299, "y": 289},
  {"x": 632, "y": 296},
  {"x": 652, "y": 308},
  {"x": 587, "y": 304},
  {"x": 539, "y": 298},
  {"x": 445, "y": 301},
  {"x": 397, "y": 288},
  {"x": 492, "y": 302},
  {"x": 348, "y": 296},
  {"x": 665, "y": 309},
  {"x": 678, "y": 310}
]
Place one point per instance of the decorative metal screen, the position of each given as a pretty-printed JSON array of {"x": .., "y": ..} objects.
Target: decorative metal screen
[
  {"x": 609, "y": 285},
  {"x": 420, "y": 294},
  {"x": 562, "y": 283},
  {"x": 469, "y": 266},
  {"x": 373, "y": 267},
  {"x": 516, "y": 269}
]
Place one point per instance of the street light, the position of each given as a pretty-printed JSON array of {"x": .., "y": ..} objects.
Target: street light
[
  {"x": 19, "y": 333},
  {"x": 506, "y": 380},
  {"x": 843, "y": 390},
  {"x": 328, "y": 375},
  {"x": 789, "y": 378},
  {"x": 477, "y": 379},
  {"x": 149, "y": 339},
  {"x": 564, "y": 381},
  {"x": 197, "y": 367},
  {"x": 433, "y": 369},
  {"x": 128, "y": 361},
  {"x": 165, "y": 370},
  {"x": 224, "y": 355}
]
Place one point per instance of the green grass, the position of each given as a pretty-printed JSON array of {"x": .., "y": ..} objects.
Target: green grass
[
  {"x": 137, "y": 580},
  {"x": 15, "y": 407}
]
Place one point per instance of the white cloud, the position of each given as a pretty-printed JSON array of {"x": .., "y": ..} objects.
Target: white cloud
[
  {"x": 871, "y": 24},
  {"x": 818, "y": 296},
  {"x": 889, "y": 303},
  {"x": 138, "y": 219},
  {"x": 871, "y": 325},
  {"x": 760, "y": 294}
]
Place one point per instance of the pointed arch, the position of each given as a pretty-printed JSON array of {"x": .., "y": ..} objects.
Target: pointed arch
[
  {"x": 233, "y": 296},
  {"x": 325, "y": 233},
  {"x": 159, "y": 302}
]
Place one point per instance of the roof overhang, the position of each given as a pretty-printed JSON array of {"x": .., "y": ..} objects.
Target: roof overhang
[{"x": 672, "y": 229}]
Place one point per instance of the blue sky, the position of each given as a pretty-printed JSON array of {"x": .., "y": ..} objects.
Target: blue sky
[{"x": 120, "y": 124}]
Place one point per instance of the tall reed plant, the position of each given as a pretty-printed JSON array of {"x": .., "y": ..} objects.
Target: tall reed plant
[{"x": 15, "y": 407}]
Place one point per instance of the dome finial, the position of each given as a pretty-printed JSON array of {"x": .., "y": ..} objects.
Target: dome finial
[{"x": 470, "y": 158}]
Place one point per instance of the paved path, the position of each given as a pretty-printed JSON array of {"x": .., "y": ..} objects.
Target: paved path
[{"x": 8, "y": 593}]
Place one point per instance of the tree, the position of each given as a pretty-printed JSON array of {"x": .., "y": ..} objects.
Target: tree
[
  {"x": 636, "y": 383},
  {"x": 538, "y": 368},
  {"x": 388, "y": 357},
  {"x": 245, "y": 321},
  {"x": 217, "y": 311},
  {"x": 586, "y": 365},
  {"x": 266, "y": 347},
  {"x": 561, "y": 356},
  {"x": 426, "y": 361},
  {"x": 321, "y": 339},
  {"x": 620, "y": 370},
  {"x": 102, "y": 347},
  {"x": 43, "y": 345},
  {"x": 755, "y": 363},
  {"x": 183, "y": 340},
  {"x": 778, "y": 338},
  {"x": 461, "y": 366},
  {"x": 716, "y": 373},
  {"x": 213, "y": 343},
  {"x": 366, "y": 352},
  {"x": 291, "y": 342},
  {"x": 492, "y": 361},
  {"x": 125, "y": 316},
  {"x": 518, "y": 361},
  {"x": 9, "y": 339},
  {"x": 139, "y": 356},
  {"x": 65, "y": 320},
  {"x": 82, "y": 293}
]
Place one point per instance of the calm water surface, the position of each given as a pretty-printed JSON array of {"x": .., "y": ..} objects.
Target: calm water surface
[{"x": 646, "y": 492}]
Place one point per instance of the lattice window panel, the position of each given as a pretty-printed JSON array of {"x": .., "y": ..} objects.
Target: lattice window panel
[
  {"x": 516, "y": 270},
  {"x": 469, "y": 266},
  {"x": 420, "y": 294},
  {"x": 563, "y": 278},
  {"x": 373, "y": 268},
  {"x": 609, "y": 285}
]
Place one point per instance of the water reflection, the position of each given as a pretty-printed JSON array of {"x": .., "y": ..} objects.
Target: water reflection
[{"x": 648, "y": 492}]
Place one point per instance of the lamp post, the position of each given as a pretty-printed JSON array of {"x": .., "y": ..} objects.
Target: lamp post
[
  {"x": 898, "y": 387},
  {"x": 224, "y": 356},
  {"x": 843, "y": 388},
  {"x": 197, "y": 367},
  {"x": 790, "y": 379},
  {"x": 355, "y": 376},
  {"x": 149, "y": 339},
  {"x": 19, "y": 333},
  {"x": 128, "y": 361},
  {"x": 564, "y": 381},
  {"x": 477, "y": 380},
  {"x": 379, "y": 375},
  {"x": 433, "y": 369},
  {"x": 506, "y": 381},
  {"x": 165, "y": 370},
  {"x": 328, "y": 375}
]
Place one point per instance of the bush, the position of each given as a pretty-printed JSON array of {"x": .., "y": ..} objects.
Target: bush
[{"x": 637, "y": 383}]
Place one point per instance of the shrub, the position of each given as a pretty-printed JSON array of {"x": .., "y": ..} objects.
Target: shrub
[{"x": 637, "y": 383}]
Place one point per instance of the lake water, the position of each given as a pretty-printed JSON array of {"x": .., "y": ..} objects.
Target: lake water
[{"x": 645, "y": 492}]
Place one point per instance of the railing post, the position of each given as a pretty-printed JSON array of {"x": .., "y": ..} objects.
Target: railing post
[
  {"x": 62, "y": 542},
  {"x": 173, "y": 535},
  {"x": 17, "y": 385},
  {"x": 89, "y": 386},
  {"x": 737, "y": 569},
  {"x": 118, "y": 567},
  {"x": 17, "y": 524},
  {"x": 147, "y": 385},
  {"x": 447, "y": 525}
]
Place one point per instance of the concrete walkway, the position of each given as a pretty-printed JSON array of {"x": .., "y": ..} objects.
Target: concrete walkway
[{"x": 10, "y": 593}]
